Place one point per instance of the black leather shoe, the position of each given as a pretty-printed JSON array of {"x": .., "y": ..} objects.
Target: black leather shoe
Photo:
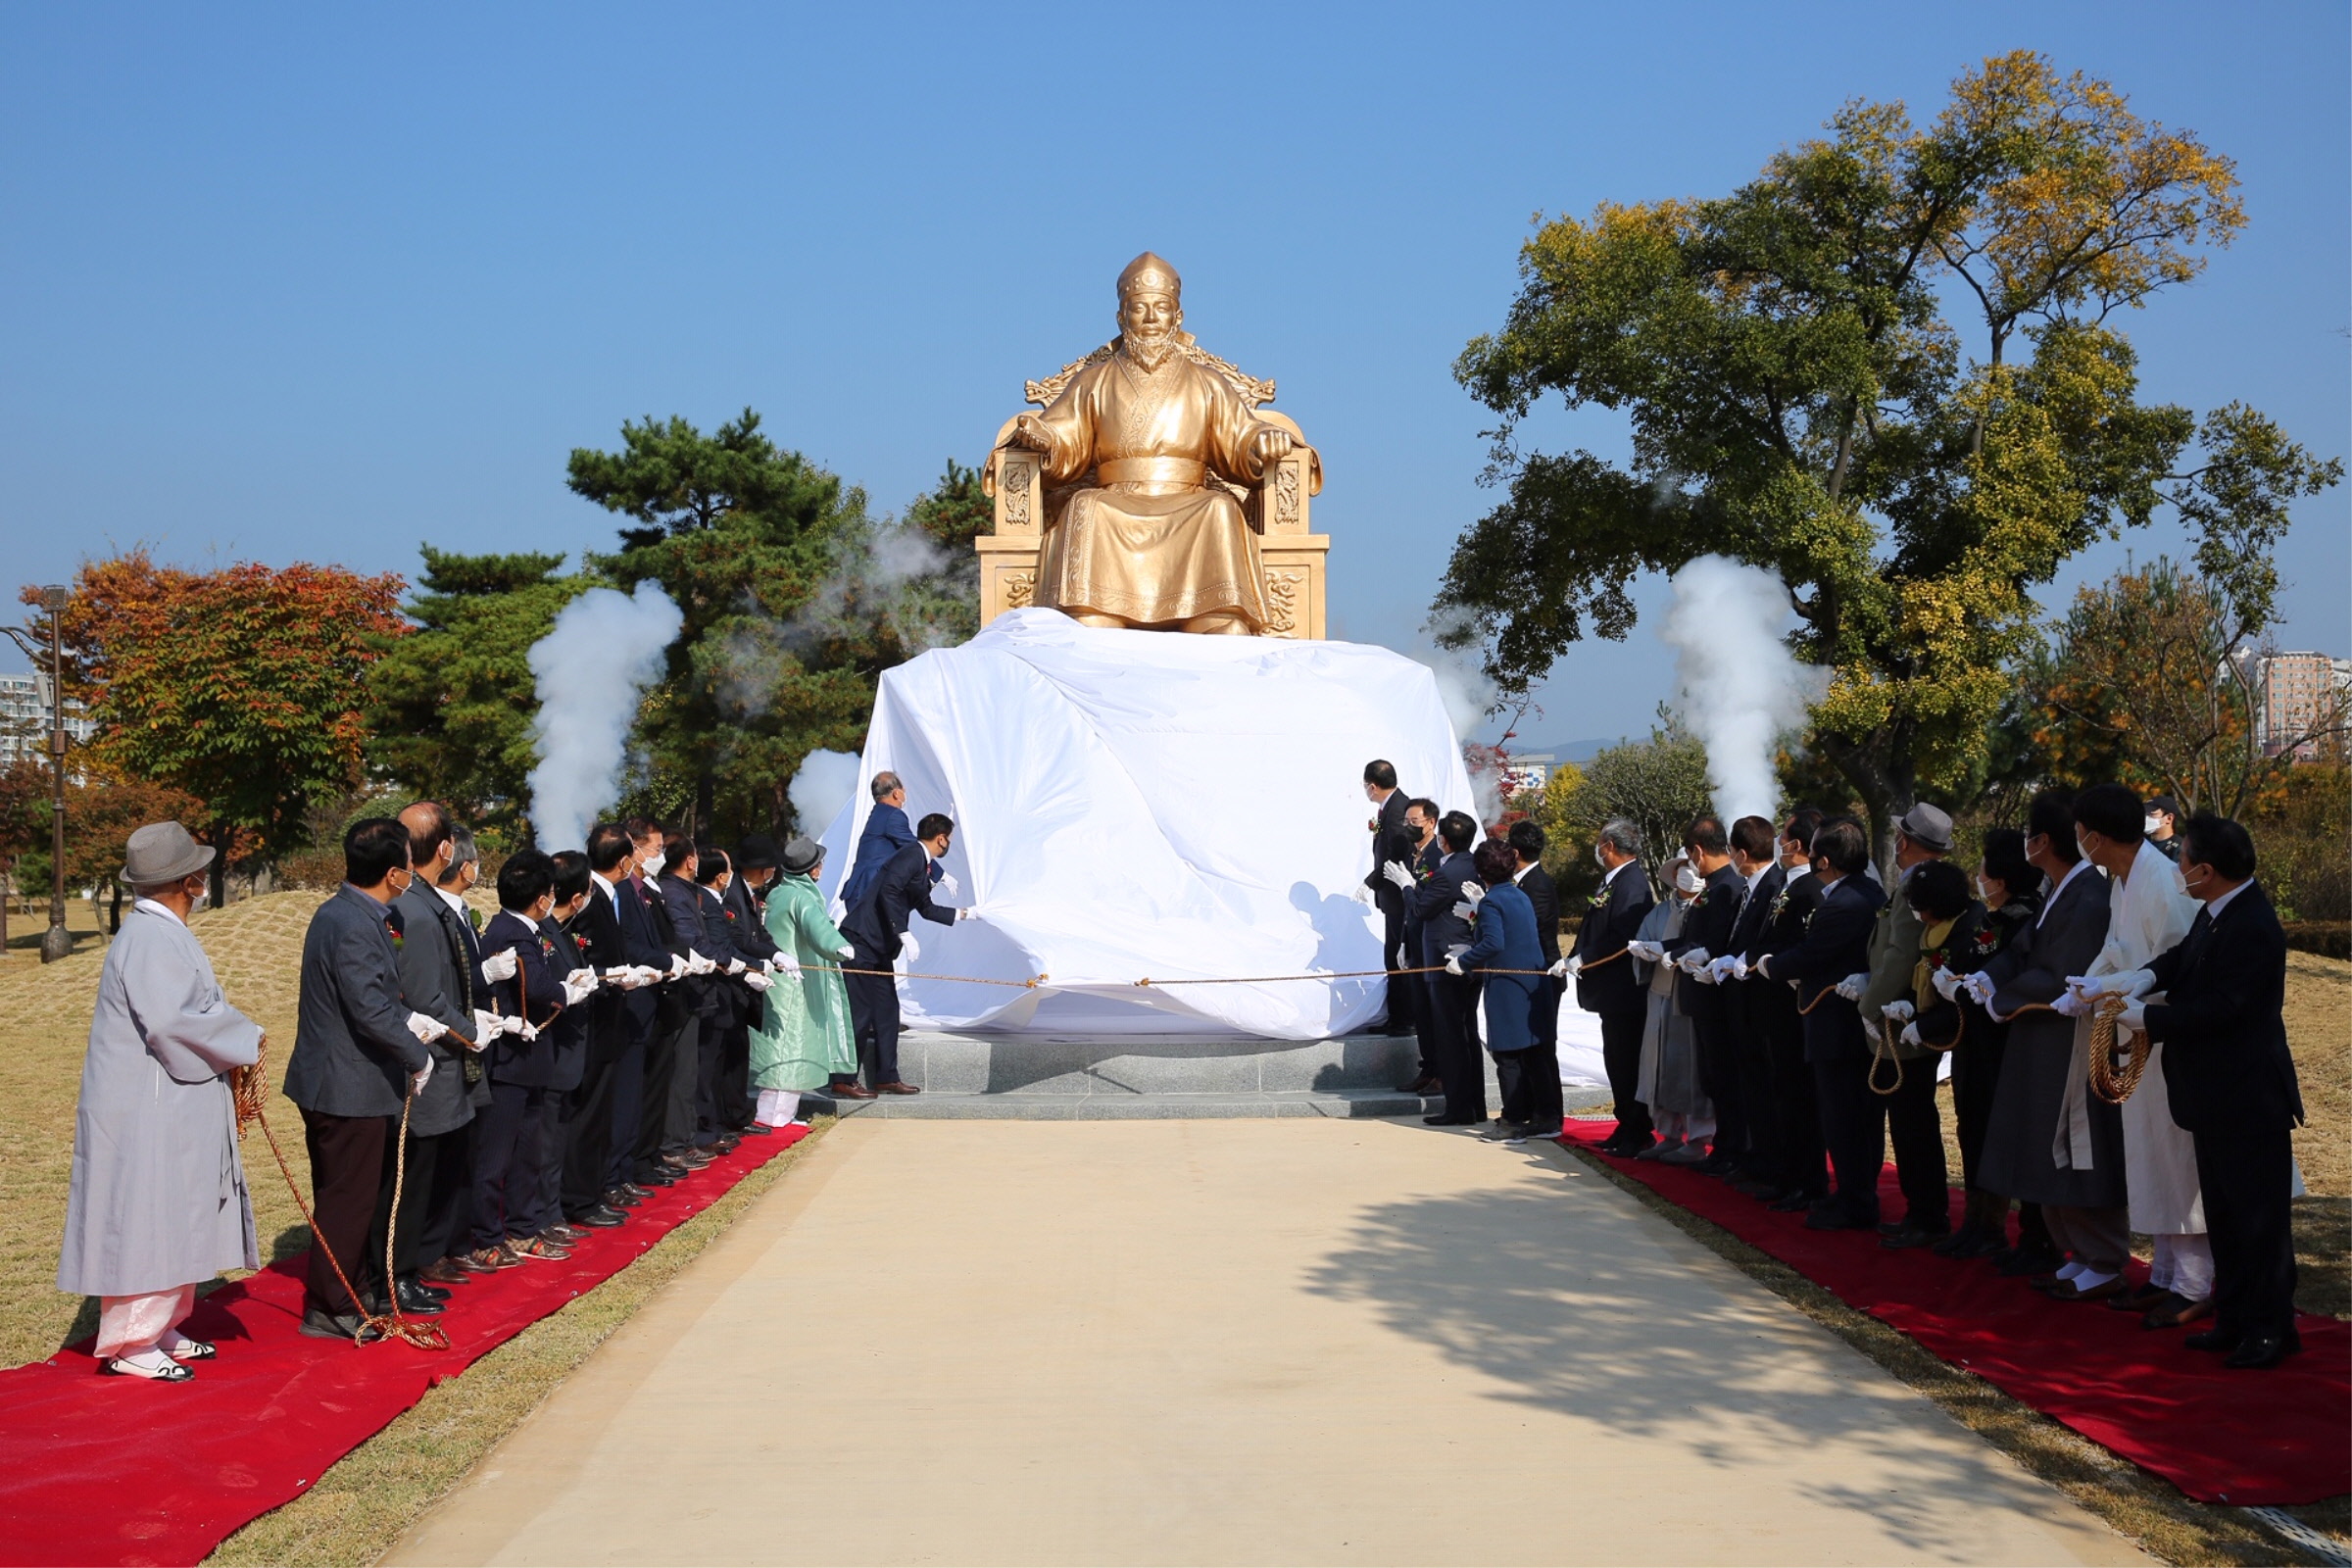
[
  {"x": 1905, "y": 1236},
  {"x": 319, "y": 1324},
  {"x": 2259, "y": 1351},
  {"x": 413, "y": 1282},
  {"x": 1830, "y": 1215},
  {"x": 653, "y": 1177},
  {"x": 754, "y": 1130},
  {"x": 1792, "y": 1204},
  {"x": 2216, "y": 1338},
  {"x": 1443, "y": 1120},
  {"x": 414, "y": 1301},
  {"x": 602, "y": 1217}
]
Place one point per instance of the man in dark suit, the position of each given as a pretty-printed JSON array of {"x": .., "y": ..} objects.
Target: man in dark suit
[
  {"x": 521, "y": 1062},
  {"x": 359, "y": 1053},
  {"x": 887, "y": 831},
  {"x": 440, "y": 973},
  {"x": 1391, "y": 841},
  {"x": 1801, "y": 1164},
  {"x": 1437, "y": 901},
  {"x": 683, "y": 1129},
  {"x": 569, "y": 1041},
  {"x": 2231, "y": 1081},
  {"x": 1752, "y": 844},
  {"x": 1423, "y": 852},
  {"x": 754, "y": 867},
  {"x": 1706, "y": 932},
  {"x": 1825, "y": 965},
  {"x": 1539, "y": 1064},
  {"x": 1914, "y": 1123},
  {"x": 876, "y": 927},
  {"x": 668, "y": 1048},
  {"x": 599, "y": 1118},
  {"x": 1614, "y": 990}
]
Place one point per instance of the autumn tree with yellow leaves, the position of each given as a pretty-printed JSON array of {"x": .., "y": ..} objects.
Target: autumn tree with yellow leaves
[{"x": 1889, "y": 369}]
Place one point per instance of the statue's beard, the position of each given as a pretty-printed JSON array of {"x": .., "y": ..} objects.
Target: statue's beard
[{"x": 1150, "y": 352}]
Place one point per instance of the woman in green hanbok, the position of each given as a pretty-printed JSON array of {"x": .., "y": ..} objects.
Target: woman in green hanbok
[{"x": 803, "y": 1038}]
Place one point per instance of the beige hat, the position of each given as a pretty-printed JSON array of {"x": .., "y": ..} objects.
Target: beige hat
[
  {"x": 1928, "y": 826},
  {"x": 161, "y": 853}
]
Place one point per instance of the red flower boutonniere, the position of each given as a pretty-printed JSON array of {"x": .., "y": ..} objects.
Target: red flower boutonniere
[
  {"x": 1779, "y": 902},
  {"x": 1600, "y": 900},
  {"x": 1700, "y": 902},
  {"x": 1984, "y": 940}
]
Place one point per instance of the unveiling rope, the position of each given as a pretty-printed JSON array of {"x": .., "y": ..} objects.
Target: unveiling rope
[{"x": 250, "y": 1093}]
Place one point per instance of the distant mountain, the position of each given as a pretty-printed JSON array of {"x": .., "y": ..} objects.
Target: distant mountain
[{"x": 1563, "y": 751}]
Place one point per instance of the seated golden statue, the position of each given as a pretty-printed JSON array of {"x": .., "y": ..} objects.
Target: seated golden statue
[{"x": 1149, "y": 448}]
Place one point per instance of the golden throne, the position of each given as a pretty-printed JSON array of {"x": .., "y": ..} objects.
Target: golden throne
[{"x": 1277, "y": 506}]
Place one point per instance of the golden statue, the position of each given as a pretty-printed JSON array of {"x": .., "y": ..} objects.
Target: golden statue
[{"x": 1145, "y": 453}]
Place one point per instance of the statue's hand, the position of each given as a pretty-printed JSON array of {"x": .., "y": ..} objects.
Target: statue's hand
[
  {"x": 1028, "y": 432},
  {"x": 1271, "y": 444}
]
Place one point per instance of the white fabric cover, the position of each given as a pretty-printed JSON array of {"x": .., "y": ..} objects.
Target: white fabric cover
[{"x": 1158, "y": 805}]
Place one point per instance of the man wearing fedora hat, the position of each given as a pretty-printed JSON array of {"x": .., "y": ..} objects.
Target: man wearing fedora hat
[
  {"x": 1914, "y": 1124},
  {"x": 157, "y": 1201}
]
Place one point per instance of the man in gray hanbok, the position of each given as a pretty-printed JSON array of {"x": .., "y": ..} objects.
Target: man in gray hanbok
[{"x": 158, "y": 1203}]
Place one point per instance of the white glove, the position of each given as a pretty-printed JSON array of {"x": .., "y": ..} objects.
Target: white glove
[
  {"x": 574, "y": 992},
  {"x": 2134, "y": 1019},
  {"x": 837, "y": 912},
  {"x": 698, "y": 964},
  {"x": 585, "y": 979},
  {"x": 679, "y": 968},
  {"x": 1363, "y": 894},
  {"x": 1980, "y": 987},
  {"x": 948, "y": 885},
  {"x": 487, "y": 1026},
  {"x": 2129, "y": 983},
  {"x": 1739, "y": 968},
  {"x": 426, "y": 1030},
  {"x": 1724, "y": 968},
  {"x": 909, "y": 949},
  {"x": 524, "y": 1028},
  {"x": 1692, "y": 961},
  {"x": 1646, "y": 952},
  {"x": 784, "y": 963},
  {"x": 1399, "y": 873},
  {"x": 758, "y": 980},
  {"x": 967, "y": 914},
  {"x": 500, "y": 966},
  {"x": 847, "y": 952},
  {"x": 1571, "y": 965},
  {"x": 1947, "y": 983},
  {"x": 1899, "y": 1011},
  {"x": 1910, "y": 1035},
  {"x": 1456, "y": 949},
  {"x": 2070, "y": 1005},
  {"x": 736, "y": 966},
  {"x": 1559, "y": 969},
  {"x": 1466, "y": 911},
  {"x": 1852, "y": 987},
  {"x": 421, "y": 1076},
  {"x": 1474, "y": 894},
  {"x": 1454, "y": 965}
]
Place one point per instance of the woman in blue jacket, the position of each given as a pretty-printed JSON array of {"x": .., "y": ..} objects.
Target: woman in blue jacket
[{"x": 1504, "y": 939}]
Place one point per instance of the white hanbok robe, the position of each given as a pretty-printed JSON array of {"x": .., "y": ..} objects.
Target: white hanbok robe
[
  {"x": 2149, "y": 915},
  {"x": 158, "y": 1198}
]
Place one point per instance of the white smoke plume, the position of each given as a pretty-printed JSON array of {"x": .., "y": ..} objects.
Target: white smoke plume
[
  {"x": 871, "y": 575},
  {"x": 820, "y": 787},
  {"x": 1740, "y": 687},
  {"x": 592, "y": 670},
  {"x": 1469, "y": 698}
]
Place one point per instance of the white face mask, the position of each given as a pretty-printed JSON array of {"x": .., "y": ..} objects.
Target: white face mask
[
  {"x": 653, "y": 863},
  {"x": 202, "y": 898},
  {"x": 1688, "y": 880},
  {"x": 2082, "y": 850},
  {"x": 1600, "y": 859},
  {"x": 2152, "y": 824}
]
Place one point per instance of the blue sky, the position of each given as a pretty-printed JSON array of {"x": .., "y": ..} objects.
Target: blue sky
[{"x": 318, "y": 282}]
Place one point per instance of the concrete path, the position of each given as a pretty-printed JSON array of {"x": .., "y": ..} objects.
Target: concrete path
[{"x": 1229, "y": 1342}]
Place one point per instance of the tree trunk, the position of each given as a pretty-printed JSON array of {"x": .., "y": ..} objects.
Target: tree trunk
[
  {"x": 220, "y": 842},
  {"x": 1888, "y": 789}
]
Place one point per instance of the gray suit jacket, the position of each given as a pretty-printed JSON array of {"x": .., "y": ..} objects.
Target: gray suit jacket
[
  {"x": 435, "y": 960},
  {"x": 352, "y": 1051}
]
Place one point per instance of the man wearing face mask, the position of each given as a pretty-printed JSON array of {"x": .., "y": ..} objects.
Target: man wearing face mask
[
  {"x": 1422, "y": 854},
  {"x": 1914, "y": 1124},
  {"x": 1761, "y": 878},
  {"x": 1440, "y": 905},
  {"x": 522, "y": 1064},
  {"x": 1707, "y": 931},
  {"x": 2031, "y": 1152},
  {"x": 1802, "y": 1159},
  {"x": 1390, "y": 842},
  {"x": 2158, "y": 821},
  {"x": 644, "y": 907},
  {"x": 2214, "y": 1003},
  {"x": 1614, "y": 990},
  {"x": 440, "y": 975}
]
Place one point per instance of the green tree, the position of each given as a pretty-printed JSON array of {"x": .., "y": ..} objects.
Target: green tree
[
  {"x": 795, "y": 600},
  {"x": 1658, "y": 784},
  {"x": 451, "y": 703},
  {"x": 1800, "y": 399}
]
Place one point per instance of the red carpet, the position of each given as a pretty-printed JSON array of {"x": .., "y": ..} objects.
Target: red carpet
[
  {"x": 115, "y": 1470},
  {"x": 2243, "y": 1438}
]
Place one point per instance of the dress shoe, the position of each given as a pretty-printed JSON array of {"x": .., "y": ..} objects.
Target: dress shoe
[
  {"x": 320, "y": 1324},
  {"x": 2073, "y": 1290},
  {"x": 619, "y": 1198},
  {"x": 1759, "y": 1189},
  {"x": 600, "y": 1218},
  {"x": 686, "y": 1159},
  {"x": 2258, "y": 1350},
  {"x": 2216, "y": 1338},
  {"x": 1423, "y": 1085},
  {"x": 1717, "y": 1164},
  {"x": 2141, "y": 1299},
  {"x": 898, "y": 1086},
  {"x": 1792, "y": 1204},
  {"x": 1659, "y": 1149},
  {"x": 852, "y": 1092},
  {"x": 564, "y": 1235},
  {"x": 632, "y": 1189},
  {"x": 654, "y": 1179},
  {"x": 752, "y": 1129},
  {"x": 415, "y": 1302},
  {"x": 1443, "y": 1120},
  {"x": 2023, "y": 1263},
  {"x": 1905, "y": 1236},
  {"x": 1690, "y": 1157},
  {"x": 721, "y": 1146},
  {"x": 2178, "y": 1312},
  {"x": 1964, "y": 1244},
  {"x": 448, "y": 1271},
  {"x": 417, "y": 1281},
  {"x": 1828, "y": 1215}
]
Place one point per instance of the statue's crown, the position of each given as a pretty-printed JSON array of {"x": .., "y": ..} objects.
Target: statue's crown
[{"x": 1150, "y": 272}]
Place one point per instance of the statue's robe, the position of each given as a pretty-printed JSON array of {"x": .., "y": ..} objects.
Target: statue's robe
[{"x": 1153, "y": 541}]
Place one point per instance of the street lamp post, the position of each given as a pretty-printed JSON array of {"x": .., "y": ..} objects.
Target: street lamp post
[{"x": 56, "y": 942}]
